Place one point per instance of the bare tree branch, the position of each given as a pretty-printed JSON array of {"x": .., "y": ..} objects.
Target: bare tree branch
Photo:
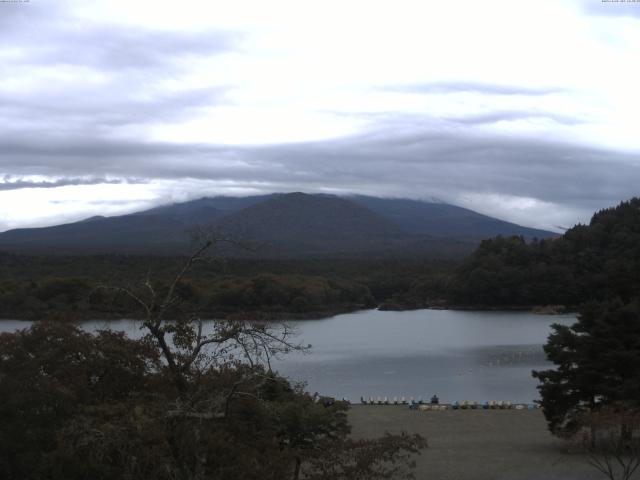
[{"x": 186, "y": 348}]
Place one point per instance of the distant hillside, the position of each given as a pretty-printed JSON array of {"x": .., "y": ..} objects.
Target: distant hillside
[
  {"x": 128, "y": 233},
  {"x": 294, "y": 224},
  {"x": 443, "y": 220},
  {"x": 595, "y": 261}
]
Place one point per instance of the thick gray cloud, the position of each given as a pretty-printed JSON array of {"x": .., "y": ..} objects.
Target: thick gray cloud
[
  {"x": 426, "y": 163},
  {"x": 52, "y": 35},
  {"x": 81, "y": 97},
  {"x": 415, "y": 163},
  {"x": 93, "y": 80},
  {"x": 79, "y": 111}
]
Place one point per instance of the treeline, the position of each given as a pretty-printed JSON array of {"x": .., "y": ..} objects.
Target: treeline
[
  {"x": 589, "y": 262},
  {"x": 265, "y": 293},
  {"x": 33, "y": 287}
]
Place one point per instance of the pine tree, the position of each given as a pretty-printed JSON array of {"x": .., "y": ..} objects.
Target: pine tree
[{"x": 597, "y": 364}]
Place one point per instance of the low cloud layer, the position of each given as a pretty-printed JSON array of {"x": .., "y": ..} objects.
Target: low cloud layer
[
  {"x": 9, "y": 183},
  {"x": 506, "y": 177}
]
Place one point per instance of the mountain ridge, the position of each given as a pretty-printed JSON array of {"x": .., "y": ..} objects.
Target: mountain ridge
[{"x": 284, "y": 224}]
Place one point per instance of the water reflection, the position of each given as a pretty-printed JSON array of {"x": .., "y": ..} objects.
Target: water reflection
[{"x": 457, "y": 354}]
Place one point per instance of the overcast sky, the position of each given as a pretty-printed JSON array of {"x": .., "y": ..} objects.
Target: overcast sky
[{"x": 526, "y": 110}]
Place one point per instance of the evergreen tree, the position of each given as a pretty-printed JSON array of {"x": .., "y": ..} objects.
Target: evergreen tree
[{"x": 597, "y": 364}]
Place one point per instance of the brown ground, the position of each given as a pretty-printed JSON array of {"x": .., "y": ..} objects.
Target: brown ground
[{"x": 478, "y": 444}]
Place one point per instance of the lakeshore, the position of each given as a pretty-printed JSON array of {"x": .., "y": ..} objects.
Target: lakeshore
[{"x": 478, "y": 444}]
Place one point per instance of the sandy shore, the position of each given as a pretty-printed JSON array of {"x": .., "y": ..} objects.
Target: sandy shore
[{"x": 478, "y": 444}]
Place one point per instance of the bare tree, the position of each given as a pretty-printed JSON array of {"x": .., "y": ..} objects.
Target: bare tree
[
  {"x": 611, "y": 438},
  {"x": 189, "y": 345}
]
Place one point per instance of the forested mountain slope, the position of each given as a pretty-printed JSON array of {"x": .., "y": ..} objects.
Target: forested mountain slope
[{"x": 279, "y": 225}]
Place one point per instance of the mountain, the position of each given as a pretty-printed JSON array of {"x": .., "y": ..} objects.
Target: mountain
[
  {"x": 294, "y": 224},
  {"x": 298, "y": 215},
  {"x": 314, "y": 225}
]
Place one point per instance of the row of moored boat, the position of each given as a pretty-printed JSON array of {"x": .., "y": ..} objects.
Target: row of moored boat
[{"x": 434, "y": 404}]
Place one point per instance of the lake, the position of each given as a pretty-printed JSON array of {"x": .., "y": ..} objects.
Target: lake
[{"x": 459, "y": 355}]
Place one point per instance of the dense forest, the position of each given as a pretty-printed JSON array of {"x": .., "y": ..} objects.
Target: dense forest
[
  {"x": 34, "y": 287},
  {"x": 589, "y": 262}
]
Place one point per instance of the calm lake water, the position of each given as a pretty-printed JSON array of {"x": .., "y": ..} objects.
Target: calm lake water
[{"x": 459, "y": 355}]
